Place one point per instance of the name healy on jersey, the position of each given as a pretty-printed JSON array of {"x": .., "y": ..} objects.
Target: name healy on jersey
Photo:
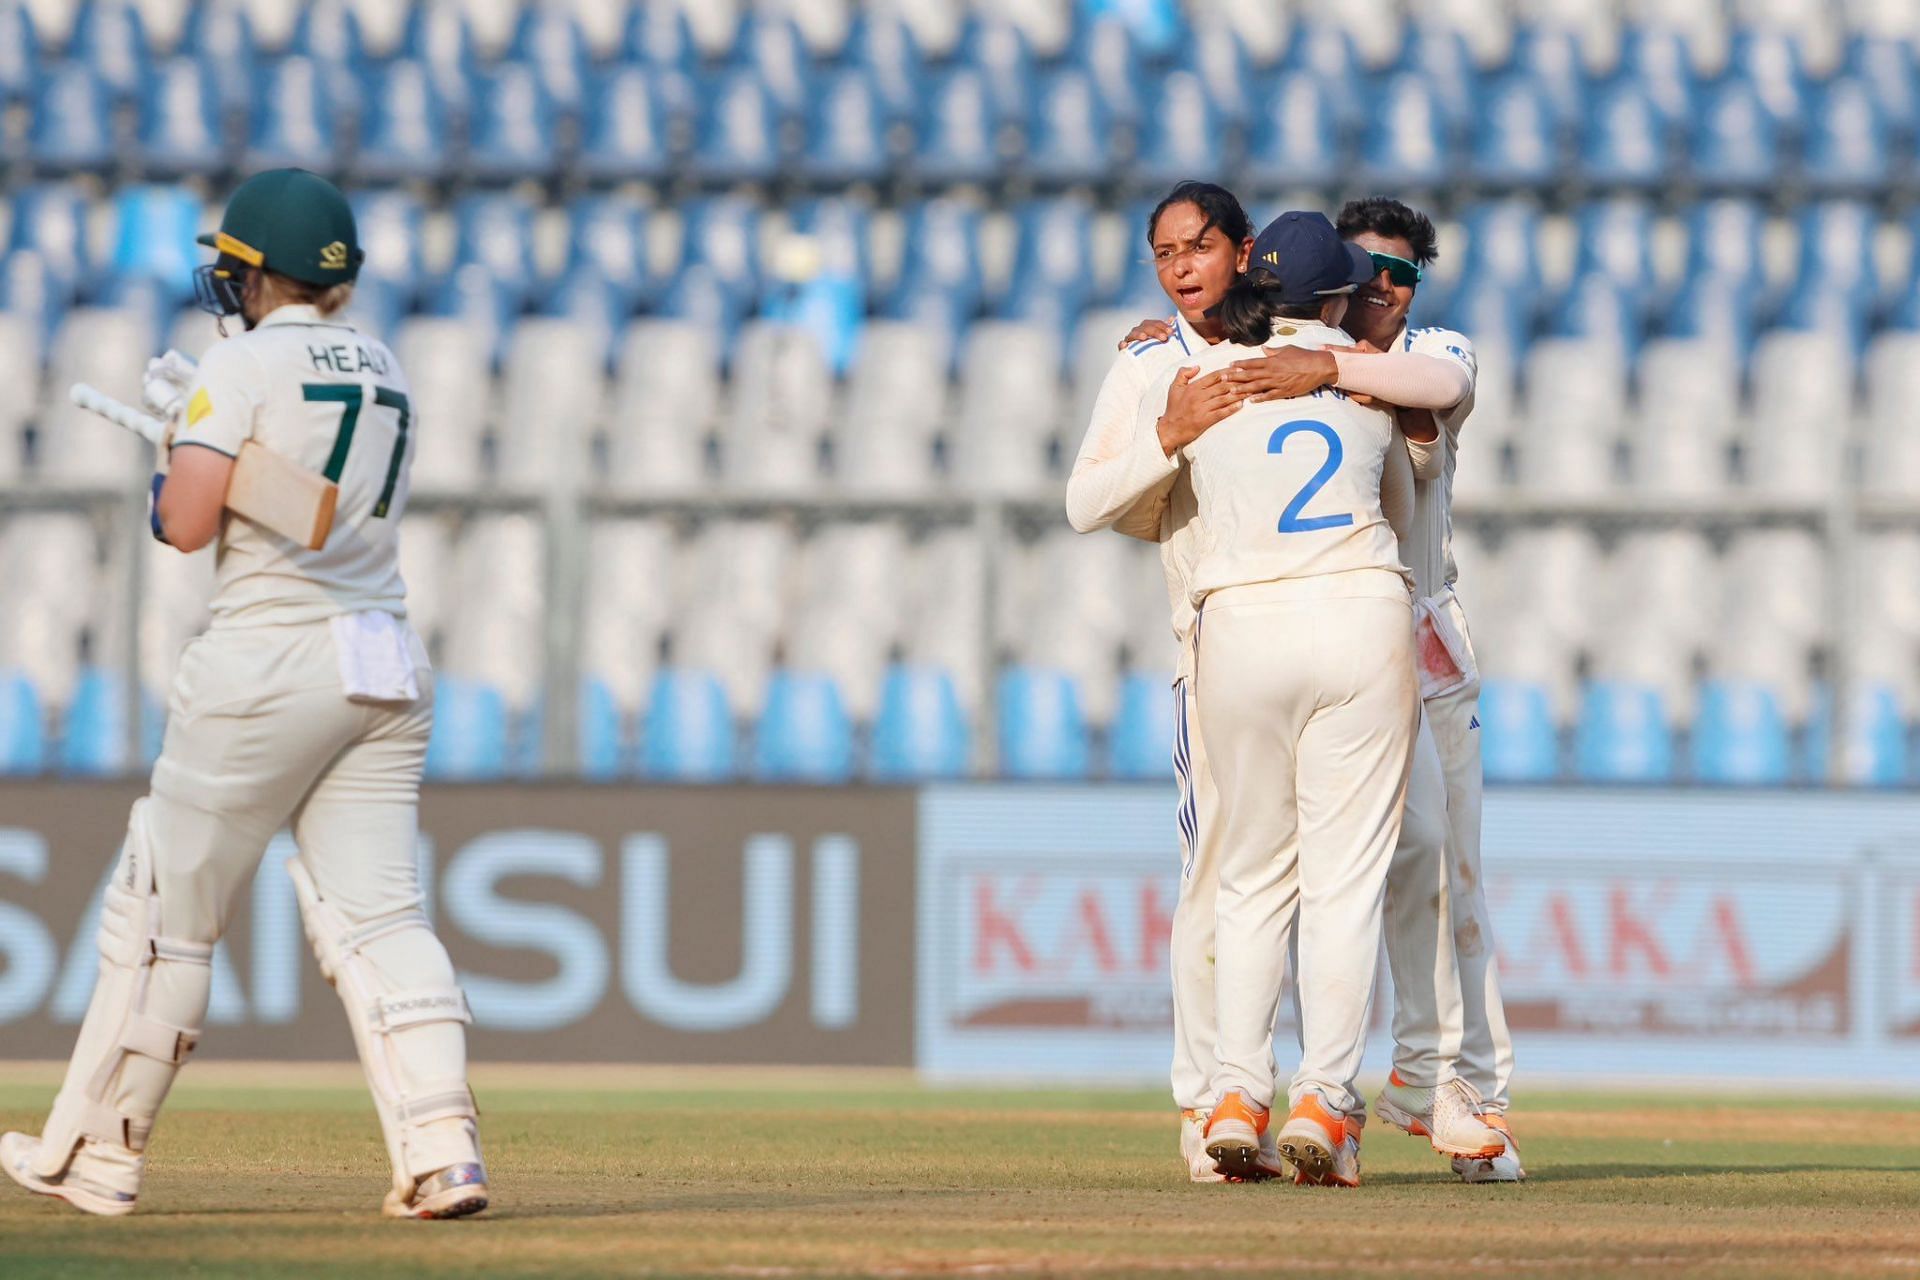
[{"x": 343, "y": 357}]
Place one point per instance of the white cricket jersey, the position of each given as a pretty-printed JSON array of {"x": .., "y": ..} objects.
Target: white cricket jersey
[
  {"x": 332, "y": 399},
  {"x": 1111, "y": 438},
  {"x": 1286, "y": 489},
  {"x": 1430, "y": 546}
]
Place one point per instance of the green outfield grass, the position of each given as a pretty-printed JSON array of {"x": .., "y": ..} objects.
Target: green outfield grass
[{"x": 270, "y": 1171}]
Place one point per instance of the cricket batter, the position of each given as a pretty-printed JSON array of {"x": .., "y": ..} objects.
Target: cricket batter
[
  {"x": 1401, "y": 242},
  {"x": 308, "y": 700}
]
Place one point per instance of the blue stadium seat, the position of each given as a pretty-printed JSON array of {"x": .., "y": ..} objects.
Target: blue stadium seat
[
  {"x": 1103, "y": 49},
  {"x": 328, "y": 33},
  {"x": 1836, "y": 246},
  {"x": 20, "y": 56},
  {"x": 1656, "y": 55},
  {"x": 846, "y": 131},
  {"x": 1887, "y": 66},
  {"x": 155, "y": 239},
  {"x": 404, "y": 127},
  {"x": 1623, "y": 734},
  {"x": 881, "y": 44},
  {"x": 841, "y": 230},
  {"x": 94, "y": 737},
  {"x": 513, "y": 135},
  {"x": 180, "y": 123},
  {"x": 1140, "y": 743},
  {"x": 1503, "y": 242},
  {"x": 1158, "y": 27},
  {"x": 1624, "y": 139},
  {"x": 689, "y": 734},
  {"x": 736, "y": 135},
  {"x": 470, "y": 731},
  {"x": 1220, "y": 60},
  {"x": 548, "y": 39},
  {"x": 629, "y": 129},
  {"x": 1847, "y": 140},
  {"x": 959, "y": 130},
  {"x": 920, "y": 730},
  {"x": 1517, "y": 141},
  {"x": 1834, "y": 309},
  {"x": 1734, "y": 144},
  {"x": 1739, "y": 735},
  {"x": 1550, "y": 54},
  {"x": 1767, "y": 57},
  {"x": 1496, "y": 313},
  {"x": 1720, "y": 308},
  {"x": 769, "y": 48},
  {"x": 699, "y": 295},
  {"x": 1518, "y": 740},
  {"x": 292, "y": 123},
  {"x": 660, "y": 37},
  {"x": 1437, "y": 54},
  {"x": 51, "y": 219},
  {"x": 604, "y": 750},
  {"x": 1185, "y": 133},
  {"x": 1296, "y": 138},
  {"x": 940, "y": 288},
  {"x": 997, "y": 49},
  {"x": 1043, "y": 733},
  {"x": 1324, "y": 50},
  {"x": 1876, "y": 752},
  {"x": 23, "y": 731},
  {"x": 1407, "y": 141},
  {"x": 391, "y": 225},
  {"x": 1725, "y": 236},
  {"x": 722, "y": 233},
  {"x": 71, "y": 130},
  {"x": 1597, "y": 308},
  {"x": 804, "y": 733},
  {"x": 110, "y": 38},
  {"x": 495, "y": 229},
  {"x": 1616, "y": 241},
  {"x": 1053, "y": 266},
  {"x": 607, "y": 235},
  {"x": 32, "y": 289},
  {"x": 218, "y": 34},
  {"x": 1069, "y": 135}
]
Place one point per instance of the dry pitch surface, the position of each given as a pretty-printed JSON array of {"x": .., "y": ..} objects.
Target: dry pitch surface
[{"x": 277, "y": 1171}]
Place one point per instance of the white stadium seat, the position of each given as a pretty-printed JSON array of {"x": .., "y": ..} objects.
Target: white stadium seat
[
  {"x": 1576, "y": 409},
  {"x": 665, "y": 405},
  {"x": 19, "y": 369},
  {"x": 498, "y": 634},
  {"x": 553, "y": 399},
  {"x": 1009, "y": 408},
  {"x": 782, "y": 404},
  {"x": 896, "y": 404},
  {"x": 1782, "y": 572},
  {"x": 946, "y": 609},
  {"x": 110, "y": 350},
  {"x": 1802, "y": 414},
  {"x": 1681, "y": 433},
  {"x": 628, "y": 602},
  {"x": 50, "y": 576},
  {"x": 1891, "y": 461},
  {"x": 446, "y": 365},
  {"x": 427, "y": 567}
]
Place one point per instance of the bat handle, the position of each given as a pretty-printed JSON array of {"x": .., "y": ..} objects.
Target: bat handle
[{"x": 93, "y": 400}]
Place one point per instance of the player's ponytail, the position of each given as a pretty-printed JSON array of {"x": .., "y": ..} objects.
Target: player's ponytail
[{"x": 1247, "y": 311}]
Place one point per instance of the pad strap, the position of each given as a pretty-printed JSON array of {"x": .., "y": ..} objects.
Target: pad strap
[
  {"x": 398, "y": 1010},
  {"x": 453, "y": 1102}
]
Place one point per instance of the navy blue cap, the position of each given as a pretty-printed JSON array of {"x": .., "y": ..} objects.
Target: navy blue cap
[{"x": 1309, "y": 258}]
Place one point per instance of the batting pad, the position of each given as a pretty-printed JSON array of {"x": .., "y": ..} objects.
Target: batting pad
[
  {"x": 144, "y": 1019},
  {"x": 410, "y": 1037}
]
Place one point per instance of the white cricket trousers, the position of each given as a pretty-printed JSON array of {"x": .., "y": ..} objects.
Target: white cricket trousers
[
  {"x": 1486, "y": 1046},
  {"x": 1427, "y": 1010},
  {"x": 1309, "y": 707}
]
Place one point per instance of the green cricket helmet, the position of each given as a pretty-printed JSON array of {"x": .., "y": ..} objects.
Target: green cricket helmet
[{"x": 288, "y": 221}]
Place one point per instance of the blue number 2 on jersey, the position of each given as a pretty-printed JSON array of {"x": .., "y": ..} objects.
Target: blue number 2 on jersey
[{"x": 1291, "y": 520}]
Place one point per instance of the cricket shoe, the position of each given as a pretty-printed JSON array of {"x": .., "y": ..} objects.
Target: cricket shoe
[
  {"x": 1345, "y": 1169},
  {"x": 1238, "y": 1142},
  {"x": 454, "y": 1192},
  {"x": 86, "y": 1183},
  {"x": 1312, "y": 1139},
  {"x": 1193, "y": 1147},
  {"x": 1505, "y": 1167},
  {"x": 1446, "y": 1115}
]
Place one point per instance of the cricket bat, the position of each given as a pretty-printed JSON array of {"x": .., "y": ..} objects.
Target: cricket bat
[{"x": 267, "y": 488}]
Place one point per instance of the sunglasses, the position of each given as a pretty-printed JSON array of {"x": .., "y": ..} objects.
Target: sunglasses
[{"x": 1399, "y": 270}]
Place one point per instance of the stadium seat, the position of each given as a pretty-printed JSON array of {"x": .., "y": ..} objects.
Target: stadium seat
[
  {"x": 846, "y": 131},
  {"x": 722, "y": 234},
  {"x": 328, "y": 33},
  {"x": 689, "y": 734},
  {"x": 1221, "y": 63},
  {"x": 93, "y": 739},
  {"x": 1103, "y": 48},
  {"x": 1689, "y": 392},
  {"x": 180, "y": 125},
  {"x": 20, "y": 54},
  {"x": 1324, "y": 51},
  {"x": 1053, "y": 267},
  {"x": 629, "y": 131},
  {"x": 1739, "y": 736},
  {"x": 440, "y": 38},
  {"x": 1768, "y": 58},
  {"x": 1517, "y": 140},
  {"x": 1551, "y": 56},
  {"x": 1518, "y": 740},
  {"x": 883, "y": 46},
  {"x": 1624, "y": 140},
  {"x": 1734, "y": 145},
  {"x": 1874, "y": 752},
  {"x": 781, "y": 408},
  {"x": 1407, "y": 141},
  {"x": 1656, "y": 55},
  {"x": 1438, "y": 55},
  {"x": 110, "y": 38},
  {"x": 1622, "y": 735},
  {"x": 1837, "y": 248},
  {"x": 604, "y": 751},
  {"x": 470, "y": 731},
  {"x": 920, "y": 731},
  {"x": 155, "y": 238},
  {"x": 770, "y": 48},
  {"x": 108, "y": 348},
  {"x": 804, "y": 734},
  {"x": 1891, "y": 462},
  {"x": 1140, "y": 743},
  {"x": 940, "y": 285},
  {"x": 1803, "y": 403},
  {"x": 23, "y": 735},
  {"x": 35, "y": 294},
  {"x": 959, "y": 130},
  {"x": 999, "y": 52},
  {"x": 666, "y": 399},
  {"x": 1616, "y": 241},
  {"x": 736, "y": 134},
  {"x": 1887, "y": 67},
  {"x": 71, "y": 129},
  {"x": 550, "y": 404},
  {"x": 1069, "y": 134},
  {"x": 1184, "y": 134},
  {"x": 1847, "y": 144},
  {"x": 404, "y": 128},
  {"x": 1577, "y": 403},
  {"x": 292, "y": 123},
  {"x": 548, "y": 40},
  {"x": 1009, "y": 405},
  {"x": 512, "y": 134},
  {"x": 1042, "y": 731},
  {"x": 896, "y": 397},
  {"x": 1596, "y": 309}
]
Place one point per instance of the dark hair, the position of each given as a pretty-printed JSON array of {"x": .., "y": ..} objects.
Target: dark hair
[
  {"x": 1251, "y": 304},
  {"x": 1385, "y": 216},
  {"x": 1221, "y": 207}
]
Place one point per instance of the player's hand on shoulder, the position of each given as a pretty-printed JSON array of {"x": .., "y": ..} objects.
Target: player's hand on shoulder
[
  {"x": 1195, "y": 403},
  {"x": 1148, "y": 331},
  {"x": 1283, "y": 373}
]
